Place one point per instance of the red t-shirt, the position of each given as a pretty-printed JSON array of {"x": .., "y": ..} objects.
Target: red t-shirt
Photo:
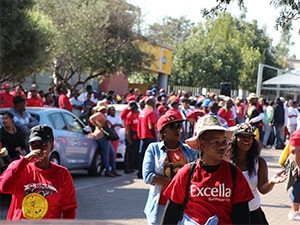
[
  {"x": 31, "y": 185},
  {"x": 8, "y": 100},
  {"x": 34, "y": 102},
  {"x": 124, "y": 113},
  {"x": 227, "y": 115},
  {"x": 209, "y": 193},
  {"x": 64, "y": 100},
  {"x": 132, "y": 121},
  {"x": 22, "y": 94},
  {"x": 147, "y": 116}
]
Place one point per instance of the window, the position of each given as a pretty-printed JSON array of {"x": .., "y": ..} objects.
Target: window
[
  {"x": 58, "y": 121},
  {"x": 73, "y": 124}
]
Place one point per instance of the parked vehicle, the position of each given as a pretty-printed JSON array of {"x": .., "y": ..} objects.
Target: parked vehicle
[
  {"x": 122, "y": 146},
  {"x": 74, "y": 145}
]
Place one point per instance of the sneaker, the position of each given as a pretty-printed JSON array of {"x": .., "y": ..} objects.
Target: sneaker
[{"x": 294, "y": 216}]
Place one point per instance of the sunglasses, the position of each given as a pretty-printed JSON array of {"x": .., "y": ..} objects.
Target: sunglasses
[
  {"x": 32, "y": 90},
  {"x": 175, "y": 126}
]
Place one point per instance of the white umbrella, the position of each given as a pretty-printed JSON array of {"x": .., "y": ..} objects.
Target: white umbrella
[{"x": 292, "y": 79}]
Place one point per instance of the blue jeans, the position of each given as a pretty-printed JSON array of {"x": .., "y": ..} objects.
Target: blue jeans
[
  {"x": 278, "y": 139},
  {"x": 108, "y": 154},
  {"x": 267, "y": 129}
]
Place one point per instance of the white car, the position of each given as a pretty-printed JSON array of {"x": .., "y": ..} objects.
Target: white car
[{"x": 121, "y": 132}]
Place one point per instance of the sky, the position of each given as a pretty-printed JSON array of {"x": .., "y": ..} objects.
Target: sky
[{"x": 260, "y": 10}]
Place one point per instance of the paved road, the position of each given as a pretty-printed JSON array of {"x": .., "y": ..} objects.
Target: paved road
[{"x": 121, "y": 200}]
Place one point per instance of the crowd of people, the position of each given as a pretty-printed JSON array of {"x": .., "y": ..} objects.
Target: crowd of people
[{"x": 185, "y": 146}]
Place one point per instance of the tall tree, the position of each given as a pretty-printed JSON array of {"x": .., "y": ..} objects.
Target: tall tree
[
  {"x": 224, "y": 49},
  {"x": 171, "y": 31},
  {"x": 27, "y": 40},
  {"x": 96, "y": 38}
]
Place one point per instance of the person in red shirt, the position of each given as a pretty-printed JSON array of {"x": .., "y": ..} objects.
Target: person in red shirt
[
  {"x": 218, "y": 191},
  {"x": 40, "y": 189},
  {"x": 226, "y": 113},
  {"x": 63, "y": 100},
  {"x": 35, "y": 100},
  {"x": 146, "y": 130},
  {"x": 19, "y": 91},
  {"x": 125, "y": 111},
  {"x": 6, "y": 99},
  {"x": 132, "y": 141}
]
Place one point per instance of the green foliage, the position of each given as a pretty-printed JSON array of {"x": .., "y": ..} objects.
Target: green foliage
[
  {"x": 224, "y": 49},
  {"x": 143, "y": 78},
  {"x": 96, "y": 38},
  {"x": 26, "y": 40}
]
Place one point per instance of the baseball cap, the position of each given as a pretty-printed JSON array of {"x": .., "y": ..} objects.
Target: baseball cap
[
  {"x": 207, "y": 122},
  {"x": 161, "y": 109},
  {"x": 167, "y": 119},
  {"x": 18, "y": 99},
  {"x": 149, "y": 92},
  {"x": 132, "y": 105},
  {"x": 206, "y": 103},
  {"x": 295, "y": 138},
  {"x": 41, "y": 133}
]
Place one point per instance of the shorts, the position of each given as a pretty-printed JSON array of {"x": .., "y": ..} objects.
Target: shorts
[{"x": 295, "y": 191}]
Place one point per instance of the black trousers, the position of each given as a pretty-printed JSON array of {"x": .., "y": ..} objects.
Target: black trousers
[
  {"x": 131, "y": 153},
  {"x": 258, "y": 217},
  {"x": 142, "y": 149}
]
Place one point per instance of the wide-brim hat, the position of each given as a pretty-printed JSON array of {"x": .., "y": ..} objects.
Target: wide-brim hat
[
  {"x": 205, "y": 123},
  {"x": 100, "y": 105},
  {"x": 251, "y": 96}
]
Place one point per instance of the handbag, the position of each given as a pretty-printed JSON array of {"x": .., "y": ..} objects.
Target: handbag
[{"x": 110, "y": 133}]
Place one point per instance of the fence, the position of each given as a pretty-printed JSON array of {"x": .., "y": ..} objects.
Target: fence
[{"x": 199, "y": 90}]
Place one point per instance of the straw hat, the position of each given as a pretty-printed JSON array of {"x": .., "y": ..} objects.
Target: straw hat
[
  {"x": 208, "y": 122},
  {"x": 251, "y": 95},
  {"x": 100, "y": 105}
]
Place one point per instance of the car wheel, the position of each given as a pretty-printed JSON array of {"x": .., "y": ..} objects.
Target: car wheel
[
  {"x": 95, "y": 167},
  {"x": 55, "y": 159}
]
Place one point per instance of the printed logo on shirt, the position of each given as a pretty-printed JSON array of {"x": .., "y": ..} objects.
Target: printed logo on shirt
[
  {"x": 219, "y": 193},
  {"x": 35, "y": 204}
]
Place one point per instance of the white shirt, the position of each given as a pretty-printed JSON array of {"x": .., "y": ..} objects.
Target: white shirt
[
  {"x": 292, "y": 112},
  {"x": 76, "y": 102},
  {"x": 253, "y": 181}
]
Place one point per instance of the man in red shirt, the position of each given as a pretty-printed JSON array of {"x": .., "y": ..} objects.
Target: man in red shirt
[
  {"x": 146, "y": 130},
  {"x": 226, "y": 113},
  {"x": 174, "y": 108},
  {"x": 6, "y": 99},
  {"x": 35, "y": 100},
  {"x": 132, "y": 141},
  {"x": 63, "y": 100}
]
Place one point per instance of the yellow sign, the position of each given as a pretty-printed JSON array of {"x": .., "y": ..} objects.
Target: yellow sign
[{"x": 161, "y": 57}]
